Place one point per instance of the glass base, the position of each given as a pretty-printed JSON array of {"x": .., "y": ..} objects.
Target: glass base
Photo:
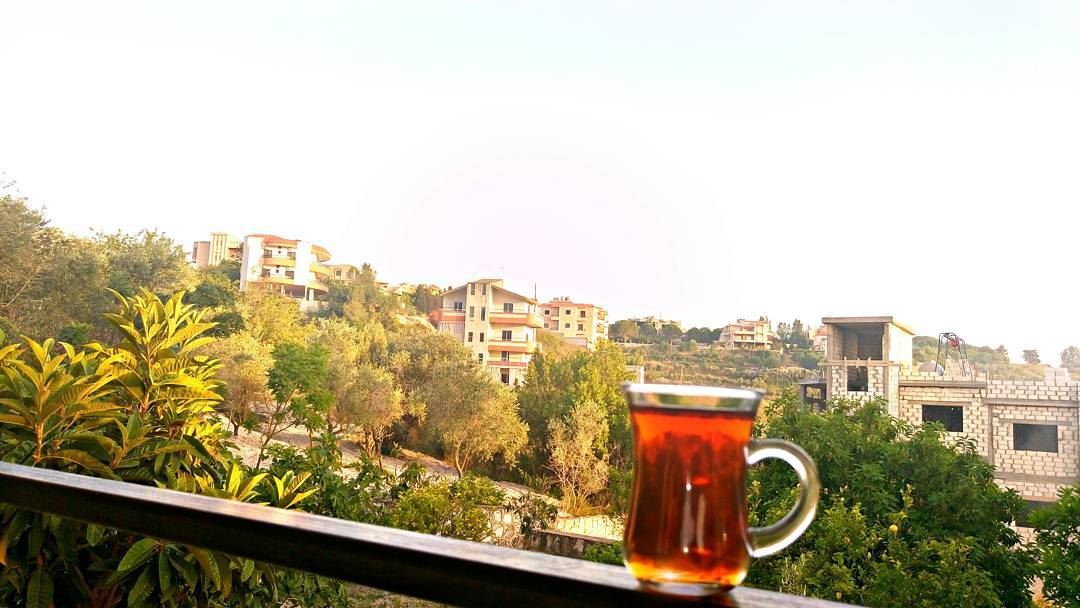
[{"x": 685, "y": 589}]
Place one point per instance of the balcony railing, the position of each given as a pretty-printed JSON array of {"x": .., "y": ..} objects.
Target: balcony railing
[{"x": 440, "y": 569}]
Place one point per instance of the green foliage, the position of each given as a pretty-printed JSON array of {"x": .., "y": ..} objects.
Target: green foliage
[
  {"x": 75, "y": 333},
  {"x": 297, "y": 384},
  {"x": 1057, "y": 547},
  {"x": 605, "y": 553},
  {"x": 362, "y": 300},
  {"x": 579, "y": 462},
  {"x": 141, "y": 411},
  {"x": 457, "y": 508},
  {"x": 624, "y": 330},
  {"x": 148, "y": 261},
  {"x": 951, "y": 542},
  {"x": 426, "y": 298},
  {"x": 553, "y": 385},
  {"x": 1031, "y": 356}
]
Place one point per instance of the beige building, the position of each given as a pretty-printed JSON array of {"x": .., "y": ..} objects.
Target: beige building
[
  {"x": 343, "y": 272},
  {"x": 1029, "y": 430},
  {"x": 291, "y": 267},
  {"x": 819, "y": 339},
  {"x": 657, "y": 323},
  {"x": 221, "y": 246},
  {"x": 581, "y": 324},
  {"x": 496, "y": 324},
  {"x": 746, "y": 334}
]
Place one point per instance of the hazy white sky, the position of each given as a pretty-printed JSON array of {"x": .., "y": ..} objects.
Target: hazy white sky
[{"x": 698, "y": 160}]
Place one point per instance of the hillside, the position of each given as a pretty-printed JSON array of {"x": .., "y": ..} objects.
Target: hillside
[{"x": 766, "y": 370}]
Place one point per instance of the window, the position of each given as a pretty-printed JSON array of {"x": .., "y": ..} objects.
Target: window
[
  {"x": 950, "y": 416},
  {"x": 505, "y": 355},
  {"x": 504, "y": 375},
  {"x": 582, "y": 315},
  {"x": 483, "y": 313},
  {"x": 1035, "y": 437},
  {"x": 470, "y": 337},
  {"x": 472, "y": 289},
  {"x": 566, "y": 311},
  {"x": 567, "y": 326},
  {"x": 459, "y": 306},
  {"x": 472, "y": 311},
  {"x": 483, "y": 289},
  {"x": 547, "y": 311},
  {"x": 581, "y": 327},
  {"x": 508, "y": 334},
  {"x": 480, "y": 356},
  {"x": 508, "y": 307},
  {"x": 858, "y": 379},
  {"x": 481, "y": 336},
  {"x": 1024, "y": 519}
]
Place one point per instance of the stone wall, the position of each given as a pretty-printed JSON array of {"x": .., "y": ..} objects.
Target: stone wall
[
  {"x": 563, "y": 543},
  {"x": 877, "y": 383}
]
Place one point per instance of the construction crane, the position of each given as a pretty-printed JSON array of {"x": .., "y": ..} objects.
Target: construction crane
[{"x": 948, "y": 342}]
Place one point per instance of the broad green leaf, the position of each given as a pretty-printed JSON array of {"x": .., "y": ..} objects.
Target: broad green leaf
[
  {"x": 137, "y": 554},
  {"x": 39, "y": 591},
  {"x": 164, "y": 573},
  {"x": 14, "y": 529},
  {"x": 142, "y": 588},
  {"x": 94, "y": 533}
]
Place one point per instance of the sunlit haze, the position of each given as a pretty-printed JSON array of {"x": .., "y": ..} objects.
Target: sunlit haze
[{"x": 697, "y": 161}]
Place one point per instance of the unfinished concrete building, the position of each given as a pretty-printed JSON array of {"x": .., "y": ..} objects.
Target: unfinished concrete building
[{"x": 1027, "y": 429}]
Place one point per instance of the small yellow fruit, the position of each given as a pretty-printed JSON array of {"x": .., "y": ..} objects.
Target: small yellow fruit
[{"x": 894, "y": 529}]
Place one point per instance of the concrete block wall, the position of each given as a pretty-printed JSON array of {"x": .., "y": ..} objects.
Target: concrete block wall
[
  {"x": 976, "y": 417},
  {"x": 877, "y": 383},
  {"x": 1063, "y": 463}
]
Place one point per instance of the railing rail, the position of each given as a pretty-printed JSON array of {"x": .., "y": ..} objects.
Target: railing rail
[{"x": 440, "y": 569}]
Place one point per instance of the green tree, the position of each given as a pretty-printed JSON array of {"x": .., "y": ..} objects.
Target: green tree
[
  {"x": 426, "y": 298},
  {"x": 39, "y": 262},
  {"x": 474, "y": 418},
  {"x": 799, "y": 338},
  {"x": 553, "y": 385},
  {"x": 909, "y": 518},
  {"x": 456, "y": 508},
  {"x": 141, "y": 412},
  {"x": 1031, "y": 356},
  {"x": 624, "y": 331},
  {"x": 297, "y": 383},
  {"x": 272, "y": 318},
  {"x": 245, "y": 366},
  {"x": 671, "y": 332},
  {"x": 1057, "y": 547},
  {"x": 579, "y": 460},
  {"x": 147, "y": 260},
  {"x": 1070, "y": 357}
]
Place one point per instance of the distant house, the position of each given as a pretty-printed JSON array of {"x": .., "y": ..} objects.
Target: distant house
[
  {"x": 746, "y": 334},
  {"x": 290, "y": 267},
  {"x": 581, "y": 324},
  {"x": 496, "y": 324},
  {"x": 221, "y": 246}
]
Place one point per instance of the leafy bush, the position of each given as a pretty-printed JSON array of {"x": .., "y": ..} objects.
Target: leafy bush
[
  {"x": 1057, "y": 547},
  {"x": 605, "y": 553},
  {"x": 457, "y": 508},
  {"x": 906, "y": 519}
]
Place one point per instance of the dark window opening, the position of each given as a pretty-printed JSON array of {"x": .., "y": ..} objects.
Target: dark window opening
[
  {"x": 508, "y": 334},
  {"x": 1030, "y": 506},
  {"x": 508, "y": 307},
  {"x": 858, "y": 378},
  {"x": 504, "y": 375},
  {"x": 483, "y": 313},
  {"x": 1035, "y": 437},
  {"x": 472, "y": 289},
  {"x": 950, "y": 416},
  {"x": 481, "y": 336}
]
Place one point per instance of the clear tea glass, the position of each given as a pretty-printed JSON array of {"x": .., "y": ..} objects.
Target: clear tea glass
[{"x": 686, "y": 532}]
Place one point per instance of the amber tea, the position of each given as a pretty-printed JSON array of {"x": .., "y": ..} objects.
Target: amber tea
[{"x": 687, "y": 531}]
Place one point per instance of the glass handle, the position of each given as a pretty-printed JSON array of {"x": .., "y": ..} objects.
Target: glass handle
[{"x": 773, "y": 538}]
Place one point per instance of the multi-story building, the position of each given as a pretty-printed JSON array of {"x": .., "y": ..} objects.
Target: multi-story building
[
  {"x": 581, "y": 324},
  {"x": 496, "y": 324},
  {"x": 1029, "y": 430},
  {"x": 657, "y": 323},
  {"x": 221, "y": 246},
  {"x": 343, "y": 272},
  {"x": 291, "y": 267},
  {"x": 748, "y": 334}
]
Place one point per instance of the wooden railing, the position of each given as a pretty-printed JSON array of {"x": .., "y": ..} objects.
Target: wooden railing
[{"x": 430, "y": 567}]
